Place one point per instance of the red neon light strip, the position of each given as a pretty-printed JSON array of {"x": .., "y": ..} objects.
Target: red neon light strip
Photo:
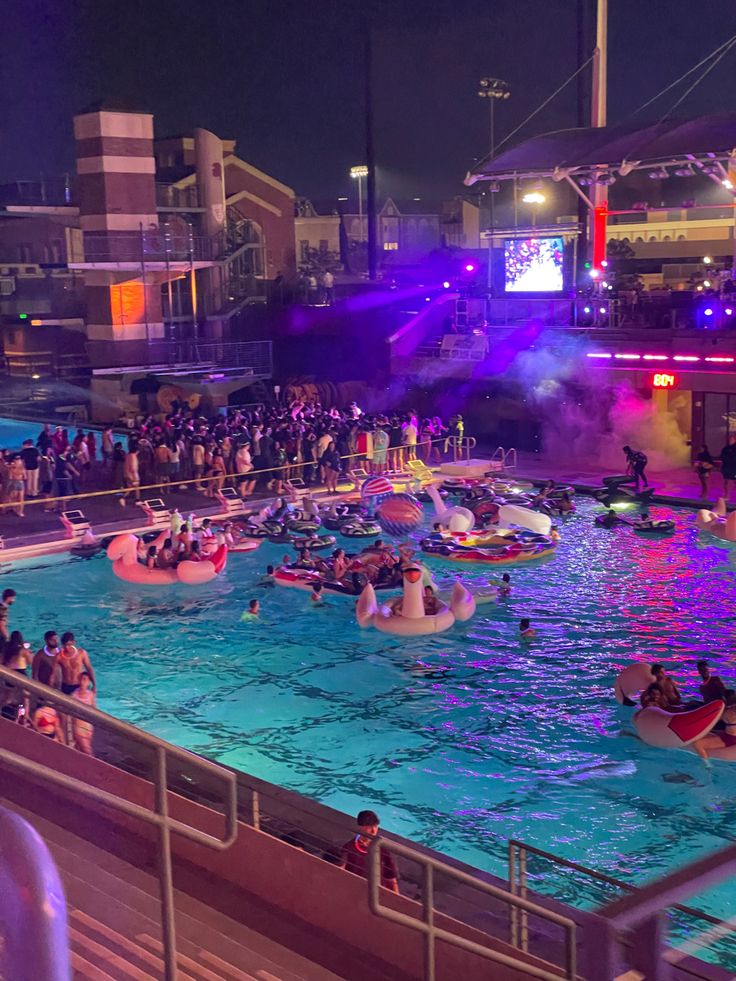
[
  {"x": 628, "y": 357},
  {"x": 656, "y": 357},
  {"x": 686, "y": 357},
  {"x": 721, "y": 360}
]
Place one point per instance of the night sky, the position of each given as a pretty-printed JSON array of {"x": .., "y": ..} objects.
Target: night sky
[{"x": 285, "y": 78}]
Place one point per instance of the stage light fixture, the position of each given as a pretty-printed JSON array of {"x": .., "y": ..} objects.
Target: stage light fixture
[
  {"x": 706, "y": 283},
  {"x": 470, "y": 267},
  {"x": 728, "y": 311},
  {"x": 686, "y": 171},
  {"x": 586, "y": 180},
  {"x": 659, "y": 174},
  {"x": 707, "y": 260},
  {"x": 727, "y": 184},
  {"x": 601, "y": 310},
  {"x": 446, "y": 285},
  {"x": 708, "y": 311},
  {"x": 587, "y": 310}
]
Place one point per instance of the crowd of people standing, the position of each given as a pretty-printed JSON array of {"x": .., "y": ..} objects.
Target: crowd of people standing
[{"x": 302, "y": 439}]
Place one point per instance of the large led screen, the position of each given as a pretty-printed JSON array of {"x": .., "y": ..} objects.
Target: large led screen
[{"x": 533, "y": 265}]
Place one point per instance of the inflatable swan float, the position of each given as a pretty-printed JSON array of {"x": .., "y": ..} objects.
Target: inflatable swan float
[
  {"x": 123, "y": 553},
  {"x": 453, "y": 518},
  {"x": 669, "y": 730},
  {"x": 405, "y": 615}
]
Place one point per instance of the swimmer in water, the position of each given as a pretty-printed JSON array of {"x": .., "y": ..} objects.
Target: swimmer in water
[
  {"x": 554, "y": 534},
  {"x": 253, "y": 611},
  {"x": 526, "y": 631},
  {"x": 317, "y": 599},
  {"x": 268, "y": 578},
  {"x": 504, "y": 589}
]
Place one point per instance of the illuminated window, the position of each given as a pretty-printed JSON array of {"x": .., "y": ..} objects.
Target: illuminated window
[{"x": 390, "y": 246}]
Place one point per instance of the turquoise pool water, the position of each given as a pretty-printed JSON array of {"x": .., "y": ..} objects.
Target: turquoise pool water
[
  {"x": 14, "y": 431},
  {"x": 460, "y": 740}
]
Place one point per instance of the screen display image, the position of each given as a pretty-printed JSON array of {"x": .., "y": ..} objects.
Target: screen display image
[{"x": 533, "y": 265}]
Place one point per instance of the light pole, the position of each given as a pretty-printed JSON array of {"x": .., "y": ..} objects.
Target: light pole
[
  {"x": 493, "y": 89},
  {"x": 359, "y": 174}
]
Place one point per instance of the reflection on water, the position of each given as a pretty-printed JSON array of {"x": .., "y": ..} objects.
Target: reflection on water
[{"x": 461, "y": 740}]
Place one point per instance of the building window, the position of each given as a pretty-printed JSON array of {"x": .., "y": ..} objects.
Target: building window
[
  {"x": 390, "y": 246},
  {"x": 652, "y": 238},
  {"x": 666, "y": 238},
  {"x": 639, "y": 238},
  {"x": 681, "y": 238},
  {"x": 303, "y": 249}
]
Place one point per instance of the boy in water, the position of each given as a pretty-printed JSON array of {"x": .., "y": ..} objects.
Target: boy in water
[
  {"x": 526, "y": 631},
  {"x": 268, "y": 578},
  {"x": 253, "y": 611},
  {"x": 504, "y": 589},
  {"x": 317, "y": 599}
]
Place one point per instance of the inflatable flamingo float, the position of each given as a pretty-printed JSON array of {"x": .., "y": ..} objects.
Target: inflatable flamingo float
[
  {"x": 123, "y": 553},
  {"x": 405, "y": 616}
]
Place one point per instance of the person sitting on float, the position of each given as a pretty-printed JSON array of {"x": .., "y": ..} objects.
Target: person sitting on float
[
  {"x": 305, "y": 560},
  {"x": 339, "y": 563},
  {"x": 610, "y": 520},
  {"x": 431, "y": 604},
  {"x": 670, "y": 693},
  {"x": 194, "y": 553},
  {"x": 565, "y": 505},
  {"x": 151, "y": 557},
  {"x": 166, "y": 558}
]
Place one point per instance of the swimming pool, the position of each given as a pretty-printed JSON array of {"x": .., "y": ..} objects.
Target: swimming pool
[
  {"x": 460, "y": 740},
  {"x": 14, "y": 431}
]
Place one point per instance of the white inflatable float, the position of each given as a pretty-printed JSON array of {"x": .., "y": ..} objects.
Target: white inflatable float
[
  {"x": 123, "y": 553},
  {"x": 717, "y": 522},
  {"x": 631, "y": 682},
  {"x": 405, "y": 615},
  {"x": 676, "y": 730},
  {"x": 511, "y": 515},
  {"x": 453, "y": 518}
]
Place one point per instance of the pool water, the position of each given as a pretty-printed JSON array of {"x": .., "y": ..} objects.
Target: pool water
[
  {"x": 459, "y": 740},
  {"x": 14, "y": 431}
]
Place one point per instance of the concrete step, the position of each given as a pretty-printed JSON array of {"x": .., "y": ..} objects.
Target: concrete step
[{"x": 114, "y": 906}]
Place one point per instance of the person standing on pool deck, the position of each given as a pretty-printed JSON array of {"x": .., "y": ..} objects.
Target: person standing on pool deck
[
  {"x": 354, "y": 854},
  {"x": 636, "y": 463},
  {"x": 728, "y": 465},
  {"x": 73, "y": 661},
  {"x": 45, "y": 667},
  {"x": 7, "y": 601}
]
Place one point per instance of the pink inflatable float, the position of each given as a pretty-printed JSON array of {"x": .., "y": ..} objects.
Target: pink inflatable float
[
  {"x": 123, "y": 553},
  {"x": 676, "y": 730},
  {"x": 717, "y": 522}
]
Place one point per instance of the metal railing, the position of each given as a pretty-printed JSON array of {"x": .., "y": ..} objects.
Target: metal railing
[
  {"x": 518, "y": 885},
  {"x": 461, "y": 447},
  {"x": 33, "y": 910},
  {"x": 159, "y": 817},
  {"x": 507, "y": 459},
  {"x": 156, "y": 245},
  {"x": 432, "y": 933},
  {"x": 254, "y": 357}
]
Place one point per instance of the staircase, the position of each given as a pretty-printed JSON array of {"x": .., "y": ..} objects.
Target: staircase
[{"x": 114, "y": 916}]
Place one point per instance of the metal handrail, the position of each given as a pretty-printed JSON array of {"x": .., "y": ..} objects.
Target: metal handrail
[
  {"x": 461, "y": 446},
  {"x": 519, "y": 849},
  {"x": 432, "y": 933},
  {"x": 159, "y": 816},
  {"x": 33, "y": 910}
]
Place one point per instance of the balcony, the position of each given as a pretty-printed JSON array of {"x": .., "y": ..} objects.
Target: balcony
[
  {"x": 169, "y": 197},
  {"x": 36, "y": 193},
  {"x": 216, "y": 359},
  {"x": 157, "y": 247}
]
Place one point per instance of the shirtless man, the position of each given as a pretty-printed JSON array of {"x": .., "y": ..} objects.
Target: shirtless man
[
  {"x": 671, "y": 695},
  {"x": 73, "y": 661},
  {"x": 45, "y": 667}
]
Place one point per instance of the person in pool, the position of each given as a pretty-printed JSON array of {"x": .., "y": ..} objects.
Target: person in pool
[
  {"x": 526, "y": 631},
  {"x": 317, "y": 599},
  {"x": 504, "y": 589},
  {"x": 253, "y": 612},
  {"x": 718, "y": 740},
  {"x": 268, "y": 578},
  {"x": 611, "y": 519}
]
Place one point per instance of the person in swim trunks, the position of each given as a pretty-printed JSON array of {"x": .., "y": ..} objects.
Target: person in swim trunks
[
  {"x": 73, "y": 661},
  {"x": 45, "y": 667}
]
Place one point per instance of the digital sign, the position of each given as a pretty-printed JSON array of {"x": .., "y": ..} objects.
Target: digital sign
[
  {"x": 533, "y": 265},
  {"x": 662, "y": 379}
]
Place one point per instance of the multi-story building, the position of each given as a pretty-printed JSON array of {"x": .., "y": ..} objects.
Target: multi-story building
[{"x": 147, "y": 260}]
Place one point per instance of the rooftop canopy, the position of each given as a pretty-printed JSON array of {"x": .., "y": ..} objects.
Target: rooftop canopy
[{"x": 623, "y": 148}]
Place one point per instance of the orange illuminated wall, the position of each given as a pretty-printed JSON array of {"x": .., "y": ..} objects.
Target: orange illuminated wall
[{"x": 128, "y": 304}]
